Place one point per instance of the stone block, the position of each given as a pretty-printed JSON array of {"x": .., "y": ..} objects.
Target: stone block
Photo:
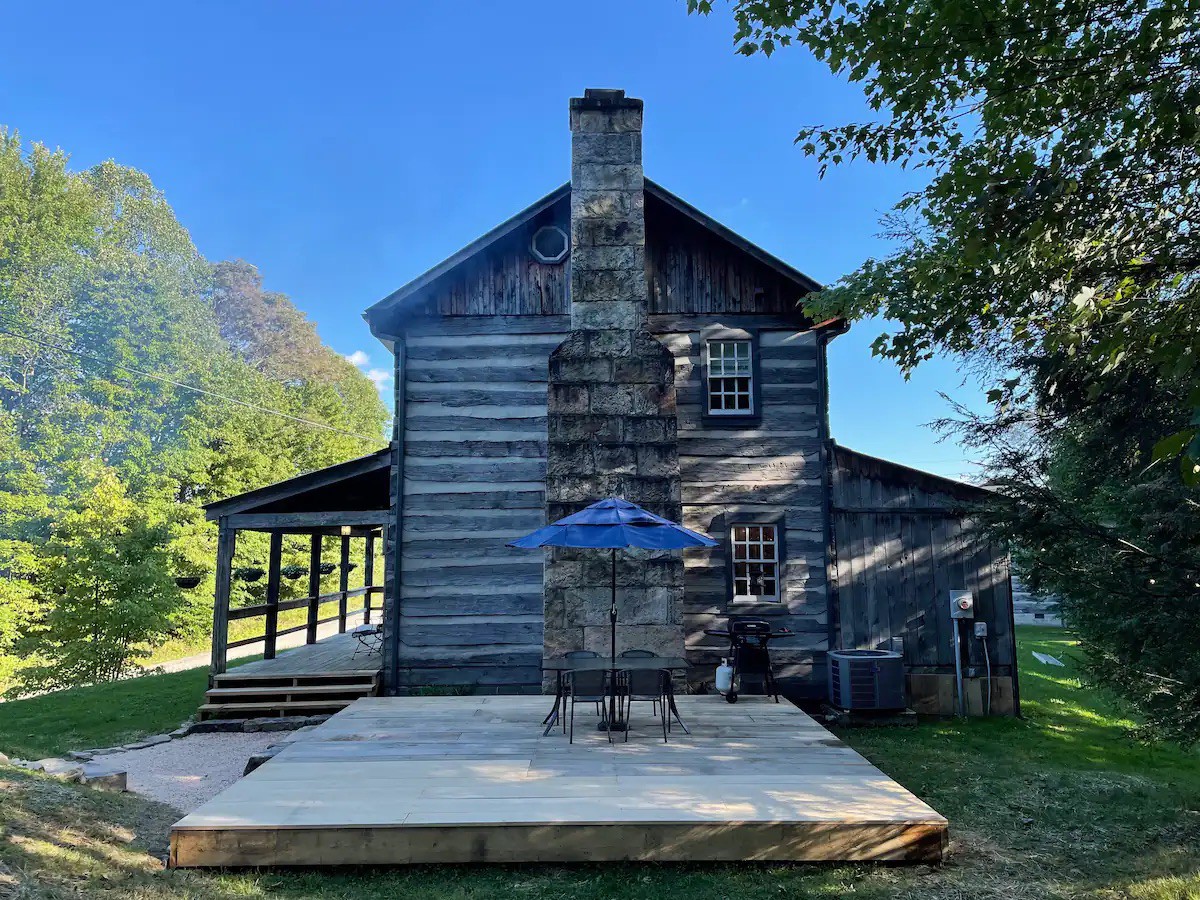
[
  {"x": 567, "y": 398},
  {"x": 59, "y": 768},
  {"x": 595, "y": 286},
  {"x": 591, "y": 175},
  {"x": 104, "y": 778},
  {"x": 590, "y": 428},
  {"x": 283, "y": 723},
  {"x": 4, "y": 760},
  {"x": 209, "y": 726},
  {"x": 554, "y": 607},
  {"x": 611, "y": 344},
  {"x": 81, "y": 755},
  {"x": 571, "y": 458},
  {"x": 628, "y": 258},
  {"x": 608, "y": 233},
  {"x": 612, "y": 399},
  {"x": 608, "y": 205},
  {"x": 657, "y": 459},
  {"x": 587, "y": 606},
  {"x": 557, "y": 641},
  {"x": 615, "y": 459},
  {"x": 622, "y": 119},
  {"x": 666, "y": 640},
  {"x": 643, "y": 370},
  {"x": 607, "y": 147},
  {"x": 567, "y": 368},
  {"x": 649, "y": 430},
  {"x": 620, "y": 315},
  {"x": 259, "y": 758}
]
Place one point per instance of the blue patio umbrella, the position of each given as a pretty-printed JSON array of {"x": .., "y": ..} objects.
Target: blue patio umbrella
[{"x": 613, "y": 524}]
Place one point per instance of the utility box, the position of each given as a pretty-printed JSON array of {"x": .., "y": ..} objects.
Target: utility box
[{"x": 962, "y": 605}]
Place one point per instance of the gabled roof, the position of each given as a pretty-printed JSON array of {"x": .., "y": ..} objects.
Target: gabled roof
[{"x": 410, "y": 293}]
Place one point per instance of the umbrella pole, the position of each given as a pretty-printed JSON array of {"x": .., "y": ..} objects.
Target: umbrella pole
[{"x": 611, "y": 723}]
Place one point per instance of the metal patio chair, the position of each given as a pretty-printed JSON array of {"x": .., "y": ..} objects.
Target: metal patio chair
[
  {"x": 644, "y": 686},
  {"x": 585, "y": 687}
]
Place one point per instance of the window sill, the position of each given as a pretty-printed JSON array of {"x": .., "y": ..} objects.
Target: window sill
[{"x": 763, "y": 607}]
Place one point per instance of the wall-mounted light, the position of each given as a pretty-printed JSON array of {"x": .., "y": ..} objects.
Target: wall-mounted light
[{"x": 347, "y": 530}]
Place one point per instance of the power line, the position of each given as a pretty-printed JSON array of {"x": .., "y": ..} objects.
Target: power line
[{"x": 187, "y": 387}]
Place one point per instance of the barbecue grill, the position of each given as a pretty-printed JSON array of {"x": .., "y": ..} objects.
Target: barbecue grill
[{"x": 748, "y": 654}]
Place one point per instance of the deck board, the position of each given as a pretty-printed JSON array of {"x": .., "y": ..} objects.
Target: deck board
[
  {"x": 333, "y": 655},
  {"x": 471, "y": 779}
]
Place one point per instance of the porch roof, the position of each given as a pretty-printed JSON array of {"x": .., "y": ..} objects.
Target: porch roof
[{"x": 354, "y": 494}]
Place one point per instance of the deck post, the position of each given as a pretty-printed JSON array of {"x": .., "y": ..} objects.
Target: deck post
[
  {"x": 314, "y": 588},
  {"x": 272, "y": 627},
  {"x": 343, "y": 584},
  {"x": 368, "y": 574},
  {"x": 226, "y": 544}
]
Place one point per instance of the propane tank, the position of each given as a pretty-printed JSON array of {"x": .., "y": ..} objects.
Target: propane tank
[{"x": 724, "y": 676}]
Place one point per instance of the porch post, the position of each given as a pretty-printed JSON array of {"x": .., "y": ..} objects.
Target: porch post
[
  {"x": 343, "y": 584},
  {"x": 368, "y": 574},
  {"x": 226, "y": 544},
  {"x": 314, "y": 589},
  {"x": 272, "y": 629}
]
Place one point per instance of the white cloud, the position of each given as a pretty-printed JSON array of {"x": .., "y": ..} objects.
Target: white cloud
[
  {"x": 358, "y": 358},
  {"x": 379, "y": 376}
]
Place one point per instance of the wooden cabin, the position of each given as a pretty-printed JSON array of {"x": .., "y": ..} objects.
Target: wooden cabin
[{"x": 612, "y": 339}]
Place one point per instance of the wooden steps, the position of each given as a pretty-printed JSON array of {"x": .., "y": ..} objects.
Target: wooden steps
[{"x": 262, "y": 694}]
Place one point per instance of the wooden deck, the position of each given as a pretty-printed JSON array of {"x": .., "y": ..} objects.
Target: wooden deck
[
  {"x": 470, "y": 779},
  {"x": 332, "y": 656}
]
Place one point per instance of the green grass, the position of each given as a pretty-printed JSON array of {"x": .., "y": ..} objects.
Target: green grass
[{"x": 1061, "y": 804}]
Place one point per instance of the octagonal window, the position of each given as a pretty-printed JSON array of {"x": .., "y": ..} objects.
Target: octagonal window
[{"x": 550, "y": 244}]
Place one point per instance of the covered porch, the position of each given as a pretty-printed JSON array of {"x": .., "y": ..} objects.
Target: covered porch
[{"x": 311, "y": 659}]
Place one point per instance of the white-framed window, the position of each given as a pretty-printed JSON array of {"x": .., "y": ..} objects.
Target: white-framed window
[
  {"x": 755, "y": 563},
  {"x": 730, "y": 378}
]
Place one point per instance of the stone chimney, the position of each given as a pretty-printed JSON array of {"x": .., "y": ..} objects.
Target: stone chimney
[{"x": 611, "y": 401}]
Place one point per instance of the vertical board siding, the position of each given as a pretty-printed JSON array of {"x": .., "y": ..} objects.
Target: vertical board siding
[
  {"x": 903, "y": 540},
  {"x": 689, "y": 270},
  {"x": 767, "y": 470},
  {"x": 475, "y": 445}
]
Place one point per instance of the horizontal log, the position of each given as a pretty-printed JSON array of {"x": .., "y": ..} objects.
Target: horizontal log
[
  {"x": 438, "y": 657},
  {"x": 477, "y": 395},
  {"x": 424, "y": 502},
  {"x": 500, "y": 471},
  {"x": 417, "y": 447},
  {"x": 488, "y": 411},
  {"x": 477, "y": 341},
  {"x": 531, "y": 428},
  {"x": 528, "y": 603},
  {"x": 480, "y": 633},
  {"x": 468, "y": 576},
  {"x": 496, "y": 372},
  {"x": 485, "y": 325},
  {"x": 475, "y": 676},
  {"x": 750, "y": 494},
  {"x": 464, "y": 550}
]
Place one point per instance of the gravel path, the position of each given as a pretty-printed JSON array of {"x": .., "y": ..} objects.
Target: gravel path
[{"x": 186, "y": 772}]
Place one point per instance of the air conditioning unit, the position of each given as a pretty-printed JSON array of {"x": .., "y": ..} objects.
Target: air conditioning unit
[{"x": 866, "y": 679}]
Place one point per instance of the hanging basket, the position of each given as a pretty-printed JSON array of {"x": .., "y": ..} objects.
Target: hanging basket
[
  {"x": 187, "y": 582},
  {"x": 248, "y": 573},
  {"x": 326, "y": 568},
  {"x": 350, "y": 567},
  {"x": 293, "y": 572}
]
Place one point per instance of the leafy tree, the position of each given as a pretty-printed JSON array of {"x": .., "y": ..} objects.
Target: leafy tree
[
  {"x": 107, "y": 591},
  {"x": 99, "y": 282},
  {"x": 1055, "y": 246}
]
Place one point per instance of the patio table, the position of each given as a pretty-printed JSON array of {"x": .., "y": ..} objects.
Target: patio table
[{"x": 561, "y": 664}]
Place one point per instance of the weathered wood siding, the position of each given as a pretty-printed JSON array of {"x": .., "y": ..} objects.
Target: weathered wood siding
[
  {"x": 767, "y": 470},
  {"x": 689, "y": 270},
  {"x": 474, "y": 476},
  {"x": 902, "y": 542}
]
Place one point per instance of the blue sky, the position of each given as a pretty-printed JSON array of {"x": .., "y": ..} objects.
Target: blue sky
[{"x": 345, "y": 148}]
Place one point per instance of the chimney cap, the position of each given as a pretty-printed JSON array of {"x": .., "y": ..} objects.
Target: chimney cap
[{"x": 605, "y": 98}]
